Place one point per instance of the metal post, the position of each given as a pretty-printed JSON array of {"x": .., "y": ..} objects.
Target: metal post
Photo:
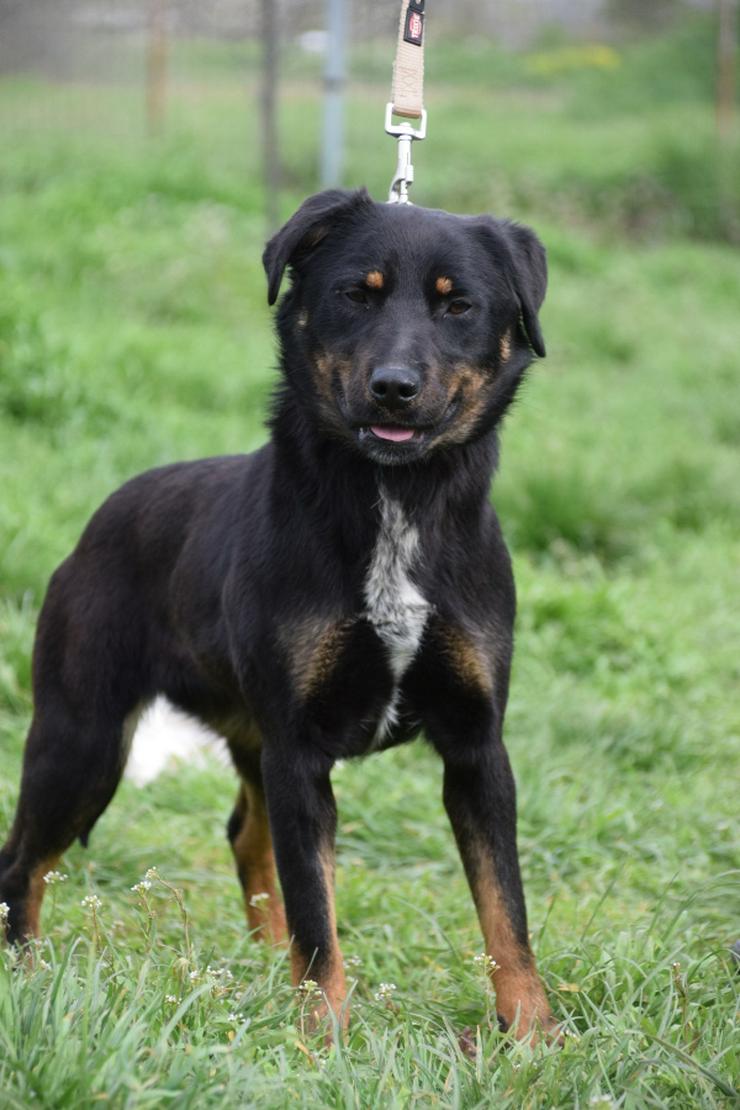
[
  {"x": 156, "y": 66},
  {"x": 268, "y": 115},
  {"x": 332, "y": 146}
]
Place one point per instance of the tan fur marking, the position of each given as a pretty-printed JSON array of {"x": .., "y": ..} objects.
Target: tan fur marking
[
  {"x": 314, "y": 646},
  {"x": 443, "y": 285},
  {"x": 469, "y": 380},
  {"x": 35, "y": 896},
  {"x": 330, "y": 977},
  {"x": 344, "y": 369},
  {"x": 375, "y": 280},
  {"x": 252, "y": 850},
  {"x": 325, "y": 368},
  {"x": 469, "y": 383},
  {"x": 468, "y": 659},
  {"x": 520, "y": 996},
  {"x": 504, "y": 346},
  {"x": 323, "y": 376}
]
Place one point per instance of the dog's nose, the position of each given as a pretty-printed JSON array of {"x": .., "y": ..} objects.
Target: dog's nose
[{"x": 395, "y": 386}]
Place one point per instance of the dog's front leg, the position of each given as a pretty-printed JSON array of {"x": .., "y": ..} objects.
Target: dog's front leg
[
  {"x": 303, "y": 820},
  {"x": 480, "y": 799}
]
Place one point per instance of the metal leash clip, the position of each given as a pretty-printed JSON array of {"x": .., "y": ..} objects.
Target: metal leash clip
[{"x": 405, "y": 133}]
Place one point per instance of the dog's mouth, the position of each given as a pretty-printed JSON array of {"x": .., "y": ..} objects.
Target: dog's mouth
[
  {"x": 397, "y": 443},
  {"x": 391, "y": 433},
  {"x": 390, "y": 444}
]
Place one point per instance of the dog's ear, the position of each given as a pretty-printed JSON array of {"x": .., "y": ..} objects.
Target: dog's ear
[
  {"x": 305, "y": 230},
  {"x": 521, "y": 254}
]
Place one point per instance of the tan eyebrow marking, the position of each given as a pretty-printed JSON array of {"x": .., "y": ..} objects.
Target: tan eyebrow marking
[
  {"x": 504, "y": 346},
  {"x": 443, "y": 285},
  {"x": 374, "y": 280}
]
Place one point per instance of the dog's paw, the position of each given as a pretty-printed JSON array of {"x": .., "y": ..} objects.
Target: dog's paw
[{"x": 537, "y": 1026}]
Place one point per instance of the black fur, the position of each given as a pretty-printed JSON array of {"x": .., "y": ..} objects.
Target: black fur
[{"x": 198, "y": 580}]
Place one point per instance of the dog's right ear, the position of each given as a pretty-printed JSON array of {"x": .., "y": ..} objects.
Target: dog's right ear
[{"x": 305, "y": 230}]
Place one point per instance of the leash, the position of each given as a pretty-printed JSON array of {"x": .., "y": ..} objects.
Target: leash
[{"x": 407, "y": 96}]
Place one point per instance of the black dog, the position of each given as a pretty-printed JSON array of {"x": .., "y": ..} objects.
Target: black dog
[{"x": 329, "y": 595}]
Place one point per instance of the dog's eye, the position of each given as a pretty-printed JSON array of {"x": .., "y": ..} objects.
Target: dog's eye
[
  {"x": 357, "y": 295},
  {"x": 458, "y": 307}
]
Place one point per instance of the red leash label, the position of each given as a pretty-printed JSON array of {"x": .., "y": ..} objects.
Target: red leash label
[{"x": 413, "y": 31}]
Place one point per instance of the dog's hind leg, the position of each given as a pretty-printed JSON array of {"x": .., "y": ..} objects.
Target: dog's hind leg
[
  {"x": 86, "y": 681},
  {"x": 70, "y": 772},
  {"x": 251, "y": 842}
]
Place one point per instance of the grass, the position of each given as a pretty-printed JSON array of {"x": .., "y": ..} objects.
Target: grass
[{"x": 134, "y": 331}]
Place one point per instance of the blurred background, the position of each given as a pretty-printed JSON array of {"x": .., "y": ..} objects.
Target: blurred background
[
  {"x": 206, "y": 74},
  {"x": 149, "y": 147}
]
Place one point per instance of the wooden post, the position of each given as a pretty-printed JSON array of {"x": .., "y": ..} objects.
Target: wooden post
[
  {"x": 726, "y": 55},
  {"x": 268, "y": 115},
  {"x": 156, "y": 66}
]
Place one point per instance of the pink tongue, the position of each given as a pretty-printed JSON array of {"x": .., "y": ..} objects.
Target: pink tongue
[{"x": 397, "y": 435}]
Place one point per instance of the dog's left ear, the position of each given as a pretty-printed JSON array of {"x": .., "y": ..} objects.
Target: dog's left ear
[
  {"x": 521, "y": 254},
  {"x": 305, "y": 229}
]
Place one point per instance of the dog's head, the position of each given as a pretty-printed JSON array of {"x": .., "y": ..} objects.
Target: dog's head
[{"x": 417, "y": 325}]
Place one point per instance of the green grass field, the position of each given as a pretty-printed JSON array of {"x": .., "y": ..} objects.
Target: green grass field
[{"x": 134, "y": 331}]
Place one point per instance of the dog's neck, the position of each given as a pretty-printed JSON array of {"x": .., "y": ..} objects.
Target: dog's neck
[{"x": 319, "y": 476}]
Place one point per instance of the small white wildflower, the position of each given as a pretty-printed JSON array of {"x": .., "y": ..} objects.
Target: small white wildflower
[
  {"x": 4, "y": 913},
  {"x": 352, "y": 961},
  {"x": 600, "y": 1100},
  {"x": 385, "y": 992},
  {"x": 485, "y": 961},
  {"x": 257, "y": 899},
  {"x": 141, "y": 887},
  {"x": 233, "y": 1017},
  {"x": 171, "y": 998},
  {"x": 151, "y": 874},
  {"x": 193, "y": 976},
  {"x": 52, "y": 877},
  {"x": 220, "y": 973},
  {"x": 91, "y": 902},
  {"x": 309, "y": 987}
]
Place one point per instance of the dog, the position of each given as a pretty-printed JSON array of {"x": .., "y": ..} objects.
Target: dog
[{"x": 335, "y": 593}]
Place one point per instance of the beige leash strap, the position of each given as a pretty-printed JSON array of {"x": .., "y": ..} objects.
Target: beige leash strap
[
  {"x": 407, "y": 89},
  {"x": 407, "y": 96}
]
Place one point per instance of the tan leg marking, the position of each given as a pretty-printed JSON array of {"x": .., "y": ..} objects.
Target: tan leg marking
[
  {"x": 468, "y": 659},
  {"x": 520, "y": 996},
  {"x": 330, "y": 976},
  {"x": 314, "y": 646},
  {"x": 504, "y": 346},
  {"x": 252, "y": 849},
  {"x": 35, "y": 896}
]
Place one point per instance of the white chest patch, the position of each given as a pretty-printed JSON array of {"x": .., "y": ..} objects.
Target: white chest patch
[{"x": 395, "y": 607}]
